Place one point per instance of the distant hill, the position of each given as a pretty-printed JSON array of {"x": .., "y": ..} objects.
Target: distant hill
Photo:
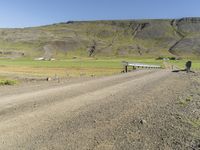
[{"x": 142, "y": 38}]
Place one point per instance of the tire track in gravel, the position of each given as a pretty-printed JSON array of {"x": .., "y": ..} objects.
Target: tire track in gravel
[
  {"x": 31, "y": 101},
  {"x": 61, "y": 123}
]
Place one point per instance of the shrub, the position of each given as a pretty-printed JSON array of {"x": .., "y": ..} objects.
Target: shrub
[{"x": 7, "y": 82}]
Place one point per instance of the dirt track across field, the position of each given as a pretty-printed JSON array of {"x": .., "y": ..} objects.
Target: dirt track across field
[{"x": 145, "y": 109}]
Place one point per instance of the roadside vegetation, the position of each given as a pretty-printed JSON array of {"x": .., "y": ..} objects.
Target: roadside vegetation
[{"x": 6, "y": 81}]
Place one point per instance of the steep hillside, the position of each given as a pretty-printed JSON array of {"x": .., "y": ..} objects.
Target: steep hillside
[{"x": 179, "y": 37}]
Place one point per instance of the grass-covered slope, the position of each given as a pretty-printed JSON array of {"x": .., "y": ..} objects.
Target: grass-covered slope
[{"x": 139, "y": 38}]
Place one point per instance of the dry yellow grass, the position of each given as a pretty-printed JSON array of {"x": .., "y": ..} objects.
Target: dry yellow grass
[{"x": 62, "y": 72}]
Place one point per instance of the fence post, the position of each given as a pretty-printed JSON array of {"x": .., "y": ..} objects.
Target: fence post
[
  {"x": 126, "y": 68},
  {"x": 188, "y": 66}
]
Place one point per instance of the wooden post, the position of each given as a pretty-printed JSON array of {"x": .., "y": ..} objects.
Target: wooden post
[{"x": 126, "y": 68}]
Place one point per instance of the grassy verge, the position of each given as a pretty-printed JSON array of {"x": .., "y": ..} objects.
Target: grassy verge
[{"x": 181, "y": 64}]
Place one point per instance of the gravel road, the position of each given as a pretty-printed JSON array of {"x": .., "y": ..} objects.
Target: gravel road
[{"x": 126, "y": 111}]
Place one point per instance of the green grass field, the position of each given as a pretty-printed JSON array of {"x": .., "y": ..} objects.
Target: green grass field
[
  {"x": 69, "y": 67},
  {"x": 78, "y": 67},
  {"x": 76, "y": 63}
]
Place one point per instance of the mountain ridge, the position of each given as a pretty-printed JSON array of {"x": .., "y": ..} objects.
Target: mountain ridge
[{"x": 138, "y": 38}]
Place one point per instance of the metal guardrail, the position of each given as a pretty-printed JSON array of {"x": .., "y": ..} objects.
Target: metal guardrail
[
  {"x": 143, "y": 65},
  {"x": 138, "y": 65}
]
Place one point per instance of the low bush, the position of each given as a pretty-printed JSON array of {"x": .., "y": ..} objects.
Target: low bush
[{"x": 8, "y": 82}]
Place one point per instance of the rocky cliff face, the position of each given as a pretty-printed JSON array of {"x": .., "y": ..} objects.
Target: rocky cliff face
[
  {"x": 180, "y": 37},
  {"x": 189, "y": 32}
]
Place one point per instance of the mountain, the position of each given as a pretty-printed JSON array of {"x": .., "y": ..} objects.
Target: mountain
[{"x": 138, "y": 38}]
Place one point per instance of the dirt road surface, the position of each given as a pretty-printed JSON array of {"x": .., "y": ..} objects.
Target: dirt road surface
[{"x": 138, "y": 110}]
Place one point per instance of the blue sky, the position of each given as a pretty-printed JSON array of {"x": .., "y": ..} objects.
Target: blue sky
[{"x": 25, "y": 13}]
